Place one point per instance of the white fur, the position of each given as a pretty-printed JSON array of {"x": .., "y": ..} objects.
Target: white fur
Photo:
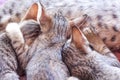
[
  {"x": 14, "y": 33},
  {"x": 39, "y": 12},
  {"x": 72, "y": 78}
]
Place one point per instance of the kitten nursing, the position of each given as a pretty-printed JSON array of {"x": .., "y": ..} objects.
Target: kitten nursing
[
  {"x": 104, "y": 15},
  {"x": 37, "y": 42},
  {"x": 11, "y": 65},
  {"x": 43, "y": 56},
  {"x": 8, "y": 60},
  {"x": 86, "y": 63}
]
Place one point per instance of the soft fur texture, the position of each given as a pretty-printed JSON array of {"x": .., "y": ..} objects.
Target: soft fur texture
[
  {"x": 43, "y": 55},
  {"x": 86, "y": 63},
  {"x": 99, "y": 46},
  {"x": 104, "y": 14},
  {"x": 8, "y": 59}
]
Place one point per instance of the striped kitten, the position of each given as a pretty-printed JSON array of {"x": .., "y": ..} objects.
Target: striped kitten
[
  {"x": 22, "y": 36},
  {"x": 46, "y": 63},
  {"x": 86, "y": 63},
  {"x": 12, "y": 41},
  {"x": 104, "y": 14},
  {"x": 44, "y": 54},
  {"x": 8, "y": 60}
]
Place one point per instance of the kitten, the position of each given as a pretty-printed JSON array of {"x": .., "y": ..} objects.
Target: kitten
[
  {"x": 86, "y": 63},
  {"x": 104, "y": 15},
  {"x": 43, "y": 56},
  {"x": 8, "y": 59},
  {"x": 10, "y": 65},
  {"x": 46, "y": 64}
]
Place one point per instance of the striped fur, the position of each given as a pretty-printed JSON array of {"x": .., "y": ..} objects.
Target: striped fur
[
  {"x": 46, "y": 63},
  {"x": 43, "y": 56},
  {"x": 100, "y": 47},
  {"x": 104, "y": 14},
  {"x": 8, "y": 60},
  {"x": 84, "y": 62},
  {"x": 22, "y": 36}
]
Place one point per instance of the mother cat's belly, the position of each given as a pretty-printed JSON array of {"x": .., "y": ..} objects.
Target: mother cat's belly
[{"x": 104, "y": 15}]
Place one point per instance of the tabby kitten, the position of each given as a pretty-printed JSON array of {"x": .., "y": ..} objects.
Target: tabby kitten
[
  {"x": 44, "y": 54},
  {"x": 19, "y": 40},
  {"x": 46, "y": 64},
  {"x": 104, "y": 14},
  {"x": 84, "y": 62},
  {"x": 8, "y": 60}
]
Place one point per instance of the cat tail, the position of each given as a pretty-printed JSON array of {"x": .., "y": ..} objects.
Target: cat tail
[{"x": 73, "y": 78}]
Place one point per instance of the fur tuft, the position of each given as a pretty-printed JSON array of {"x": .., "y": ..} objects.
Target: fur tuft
[
  {"x": 72, "y": 78},
  {"x": 13, "y": 32}
]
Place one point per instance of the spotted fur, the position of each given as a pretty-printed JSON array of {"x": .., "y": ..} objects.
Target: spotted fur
[
  {"x": 104, "y": 14},
  {"x": 84, "y": 62},
  {"x": 100, "y": 47}
]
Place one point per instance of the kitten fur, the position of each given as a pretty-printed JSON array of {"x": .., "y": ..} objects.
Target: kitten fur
[
  {"x": 84, "y": 62},
  {"x": 99, "y": 46},
  {"x": 8, "y": 59},
  {"x": 104, "y": 14},
  {"x": 44, "y": 54}
]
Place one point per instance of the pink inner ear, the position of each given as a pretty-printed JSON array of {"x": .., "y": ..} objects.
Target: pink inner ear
[{"x": 34, "y": 12}]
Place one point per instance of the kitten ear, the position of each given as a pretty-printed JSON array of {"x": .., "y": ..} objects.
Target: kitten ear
[
  {"x": 45, "y": 20},
  {"x": 37, "y": 12},
  {"x": 34, "y": 12},
  {"x": 77, "y": 38},
  {"x": 80, "y": 22}
]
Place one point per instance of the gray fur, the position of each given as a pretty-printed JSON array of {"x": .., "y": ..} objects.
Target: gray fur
[
  {"x": 87, "y": 64},
  {"x": 8, "y": 60},
  {"x": 46, "y": 63}
]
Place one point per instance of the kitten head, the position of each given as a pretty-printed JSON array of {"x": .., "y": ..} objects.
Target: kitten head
[
  {"x": 30, "y": 30},
  {"x": 74, "y": 54},
  {"x": 29, "y": 24},
  {"x": 78, "y": 42},
  {"x": 55, "y": 27}
]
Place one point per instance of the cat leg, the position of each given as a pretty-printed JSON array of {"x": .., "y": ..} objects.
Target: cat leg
[
  {"x": 99, "y": 46},
  {"x": 97, "y": 42},
  {"x": 17, "y": 40}
]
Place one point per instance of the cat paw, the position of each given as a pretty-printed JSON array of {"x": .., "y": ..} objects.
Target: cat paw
[
  {"x": 88, "y": 31},
  {"x": 14, "y": 33},
  {"x": 91, "y": 34}
]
